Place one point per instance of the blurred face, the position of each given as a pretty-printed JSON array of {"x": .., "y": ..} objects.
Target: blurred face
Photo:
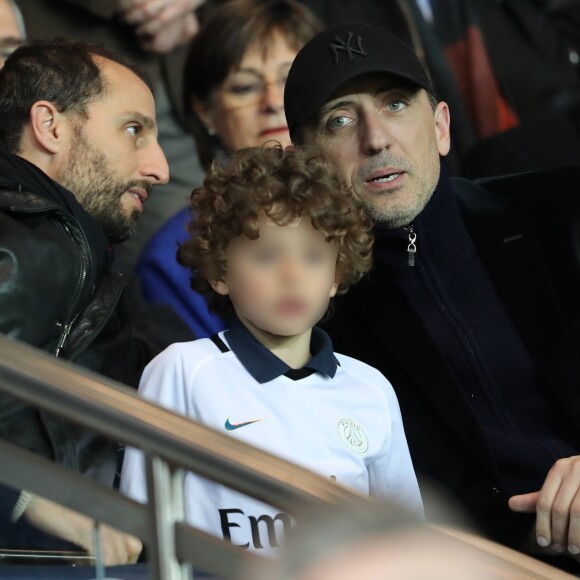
[
  {"x": 385, "y": 140},
  {"x": 114, "y": 158},
  {"x": 280, "y": 284},
  {"x": 248, "y": 109},
  {"x": 10, "y": 34}
]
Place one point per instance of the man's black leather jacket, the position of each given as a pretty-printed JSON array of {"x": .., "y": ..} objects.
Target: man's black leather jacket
[
  {"x": 47, "y": 300},
  {"x": 58, "y": 293}
]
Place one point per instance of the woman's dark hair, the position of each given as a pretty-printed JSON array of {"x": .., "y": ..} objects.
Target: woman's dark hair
[
  {"x": 228, "y": 30},
  {"x": 58, "y": 70}
]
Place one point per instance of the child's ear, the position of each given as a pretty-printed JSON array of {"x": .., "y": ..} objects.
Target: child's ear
[
  {"x": 220, "y": 287},
  {"x": 334, "y": 288}
]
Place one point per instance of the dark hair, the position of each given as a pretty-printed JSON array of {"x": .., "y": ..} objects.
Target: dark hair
[
  {"x": 285, "y": 184},
  {"x": 228, "y": 30},
  {"x": 58, "y": 70}
]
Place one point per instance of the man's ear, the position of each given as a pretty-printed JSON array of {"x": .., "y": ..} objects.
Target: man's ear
[
  {"x": 47, "y": 126},
  {"x": 219, "y": 286},
  {"x": 442, "y": 128}
]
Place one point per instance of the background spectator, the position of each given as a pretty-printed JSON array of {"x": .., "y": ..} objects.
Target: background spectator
[
  {"x": 234, "y": 84},
  {"x": 72, "y": 181},
  {"x": 12, "y": 33}
]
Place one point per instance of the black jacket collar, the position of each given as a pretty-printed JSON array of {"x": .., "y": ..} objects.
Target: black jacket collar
[{"x": 18, "y": 174}]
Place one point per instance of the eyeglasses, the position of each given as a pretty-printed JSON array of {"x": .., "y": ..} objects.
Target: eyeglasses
[{"x": 243, "y": 89}]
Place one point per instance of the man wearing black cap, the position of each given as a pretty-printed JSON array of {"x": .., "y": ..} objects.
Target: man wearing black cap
[{"x": 471, "y": 308}]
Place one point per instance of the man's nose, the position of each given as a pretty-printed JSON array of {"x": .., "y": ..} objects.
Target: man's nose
[
  {"x": 155, "y": 165},
  {"x": 375, "y": 133}
]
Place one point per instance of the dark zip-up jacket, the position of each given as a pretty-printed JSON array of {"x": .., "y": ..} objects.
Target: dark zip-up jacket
[
  {"x": 47, "y": 300},
  {"x": 53, "y": 295},
  {"x": 58, "y": 292},
  {"x": 526, "y": 232},
  {"x": 51, "y": 305}
]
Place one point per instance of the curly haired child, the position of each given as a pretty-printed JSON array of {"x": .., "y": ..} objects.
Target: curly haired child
[{"x": 274, "y": 236}]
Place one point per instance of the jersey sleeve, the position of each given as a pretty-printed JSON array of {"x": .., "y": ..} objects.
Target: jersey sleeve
[
  {"x": 391, "y": 474},
  {"x": 164, "y": 381}
]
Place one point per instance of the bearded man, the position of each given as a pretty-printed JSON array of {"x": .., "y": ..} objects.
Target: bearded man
[
  {"x": 78, "y": 159},
  {"x": 471, "y": 309}
]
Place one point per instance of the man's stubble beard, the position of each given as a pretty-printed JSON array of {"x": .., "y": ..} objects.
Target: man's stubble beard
[
  {"x": 89, "y": 176},
  {"x": 398, "y": 216},
  {"x": 403, "y": 213}
]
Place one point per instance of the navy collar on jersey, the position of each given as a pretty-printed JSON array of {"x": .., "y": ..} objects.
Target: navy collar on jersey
[{"x": 265, "y": 366}]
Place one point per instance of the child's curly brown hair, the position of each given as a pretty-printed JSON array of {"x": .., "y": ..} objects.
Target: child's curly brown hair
[{"x": 283, "y": 184}]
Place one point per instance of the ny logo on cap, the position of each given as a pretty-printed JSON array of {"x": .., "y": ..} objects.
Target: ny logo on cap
[{"x": 350, "y": 50}]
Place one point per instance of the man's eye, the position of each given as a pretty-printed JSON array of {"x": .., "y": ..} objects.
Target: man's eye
[
  {"x": 337, "y": 122},
  {"x": 395, "y": 105},
  {"x": 134, "y": 130}
]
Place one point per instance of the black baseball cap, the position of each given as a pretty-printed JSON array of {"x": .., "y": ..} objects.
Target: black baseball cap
[{"x": 337, "y": 55}]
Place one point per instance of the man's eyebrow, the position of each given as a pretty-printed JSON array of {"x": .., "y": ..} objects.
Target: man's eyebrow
[
  {"x": 140, "y": 118},
  {"x": 328, "y": 107}
]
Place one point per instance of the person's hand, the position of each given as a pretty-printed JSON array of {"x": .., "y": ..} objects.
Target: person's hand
[
  {"x": 557, "y": 507},
  {"x": 136, "y": 12},
  {"x": 116, "y": 547},
  {"x": 173, "y": 34},
  {"x": 161, "y": 25}
]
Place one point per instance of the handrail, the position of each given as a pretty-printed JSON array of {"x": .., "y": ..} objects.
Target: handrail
[
  {"x": 116, "y": 411},
  {"x": 173, "y": 443},
  {"x": 23, "y": 469}
]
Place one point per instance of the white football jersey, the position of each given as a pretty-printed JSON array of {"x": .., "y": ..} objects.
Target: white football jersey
[{"x": 346, "y": 426}]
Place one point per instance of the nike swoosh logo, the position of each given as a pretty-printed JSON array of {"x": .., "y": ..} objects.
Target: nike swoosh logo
[{"x": 233, "y": 426}]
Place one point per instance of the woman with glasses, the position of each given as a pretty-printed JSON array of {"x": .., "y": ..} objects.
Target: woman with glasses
[
  {"x": 234, "y": 93},
  {"x": 12, "y": 33}
]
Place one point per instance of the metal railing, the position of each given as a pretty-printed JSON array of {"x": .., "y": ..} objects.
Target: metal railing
[{"x": 172, "y": 444}]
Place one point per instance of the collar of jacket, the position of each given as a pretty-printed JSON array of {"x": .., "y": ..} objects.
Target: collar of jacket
[
  {"x": 20, "y": 176},
  {"x": 440, "y": 233}
]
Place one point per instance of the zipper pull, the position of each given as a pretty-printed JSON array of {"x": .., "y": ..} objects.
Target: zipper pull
[
  {"x": 63, "y": 337},
  {"x": 411, "y": 248}
]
